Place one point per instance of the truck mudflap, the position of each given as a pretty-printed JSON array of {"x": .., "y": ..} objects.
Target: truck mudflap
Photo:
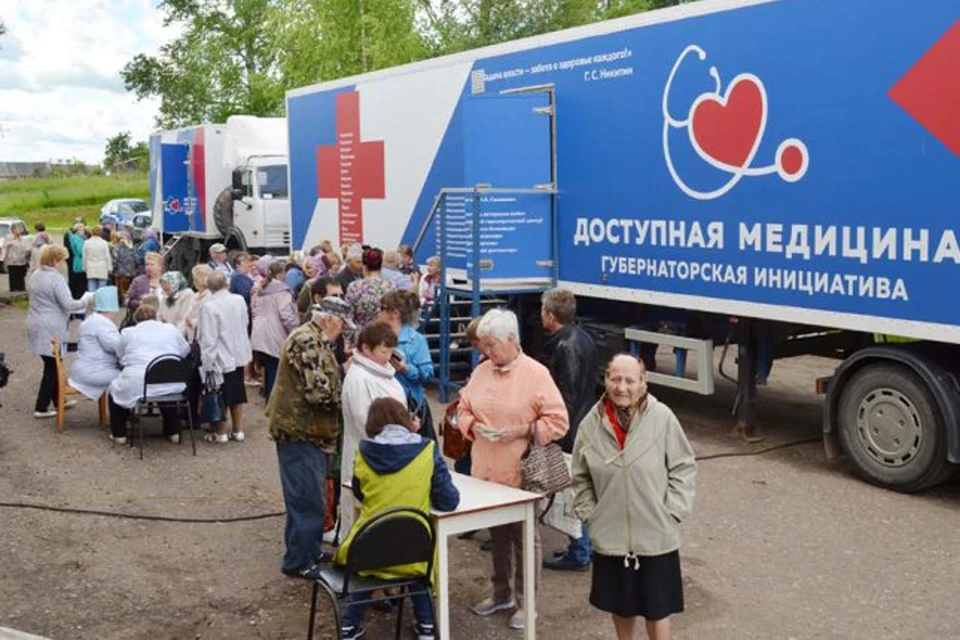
[{"x": 919, "y": 358}]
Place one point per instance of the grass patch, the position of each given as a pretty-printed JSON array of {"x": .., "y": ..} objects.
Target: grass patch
[{"x": 56, "y": 201}]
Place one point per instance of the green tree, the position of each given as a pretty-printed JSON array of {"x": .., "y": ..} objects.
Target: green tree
[
  {"x": 221, "y": 64},
  {"x": 121, "y": 155},
  {"x": 476, "y": 23},
  {"x": 319, "y": 40}
]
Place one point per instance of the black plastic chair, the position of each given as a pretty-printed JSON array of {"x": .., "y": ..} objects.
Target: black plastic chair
[
  {"x": 165, "y": 369},
  {"x": 393, "y": 537}
]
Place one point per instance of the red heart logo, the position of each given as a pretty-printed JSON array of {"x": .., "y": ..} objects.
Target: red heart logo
[{"x": 728, "y": 129}]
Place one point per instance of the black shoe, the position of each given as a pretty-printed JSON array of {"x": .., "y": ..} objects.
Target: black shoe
[
  {"x": 565, "y": 563},
  {"x": 324, "y": 557},
  {"x": 424, "y": 631},
  {"x": 310, "y": 573},
  {"x": 559, "y": 553},
  {"x": 351, "y": 633}
]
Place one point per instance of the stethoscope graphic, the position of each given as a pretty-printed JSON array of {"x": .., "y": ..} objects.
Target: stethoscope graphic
[{"x": 791, "y": 159}]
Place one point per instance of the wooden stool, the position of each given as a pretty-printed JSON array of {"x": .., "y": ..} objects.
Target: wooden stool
[{"x": 64, "y": 390}]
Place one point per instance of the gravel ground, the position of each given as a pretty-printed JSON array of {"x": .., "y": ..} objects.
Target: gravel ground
[{"x": 782, "y": 545}]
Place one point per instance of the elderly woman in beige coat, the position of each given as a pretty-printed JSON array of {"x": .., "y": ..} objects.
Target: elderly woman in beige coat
[
  {"x": 633, "y": 477},
  {"x": 177, "y": 302}
]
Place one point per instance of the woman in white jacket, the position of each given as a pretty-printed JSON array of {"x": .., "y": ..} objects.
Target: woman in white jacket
[
  {"x": 97, "y": 364},
  {"x": 97, "y": 261},
  {"x": 138, "y": 347},
  {"x": 369, "y": 376}
]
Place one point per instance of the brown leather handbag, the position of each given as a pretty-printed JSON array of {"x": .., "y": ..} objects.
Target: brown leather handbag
[{"x": 455, "y": 446}]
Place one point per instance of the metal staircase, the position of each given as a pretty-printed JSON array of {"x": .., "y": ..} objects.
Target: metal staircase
[{"x": 471, "y": 280}]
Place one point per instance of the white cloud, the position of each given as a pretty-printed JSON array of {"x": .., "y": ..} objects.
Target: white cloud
[{"x": 61, "y": 95}]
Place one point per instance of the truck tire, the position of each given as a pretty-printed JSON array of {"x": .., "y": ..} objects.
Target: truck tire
[
  {"x": 184, "y": 256},
  {"x": 891, "y": 429},
  {"x": 223, "y": 211}
]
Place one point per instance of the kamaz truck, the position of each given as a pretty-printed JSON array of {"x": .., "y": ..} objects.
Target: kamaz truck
[
  {"x": 220, "y": 183},
  {"x": 776, "y": 177}
]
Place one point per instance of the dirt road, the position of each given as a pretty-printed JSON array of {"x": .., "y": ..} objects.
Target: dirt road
[{"x": 782, "y": 545}]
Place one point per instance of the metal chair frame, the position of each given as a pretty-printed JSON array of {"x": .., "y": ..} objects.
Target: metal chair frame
[
  {"x": 414, "y": 585},
  {"x": 164, "y": 369}
]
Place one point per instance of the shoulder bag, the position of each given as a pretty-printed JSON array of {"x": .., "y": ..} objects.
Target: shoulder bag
[{"x": 544, "y": 469}]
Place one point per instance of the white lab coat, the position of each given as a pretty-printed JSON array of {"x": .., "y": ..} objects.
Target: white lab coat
[
  {"x": 365, "y": 382},
  {"x": 97, "y": 364},
  {"x": 139, "y": 345}
]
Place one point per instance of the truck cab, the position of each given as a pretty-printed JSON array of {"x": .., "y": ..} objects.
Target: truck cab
[{"x": 261, "y": 204}]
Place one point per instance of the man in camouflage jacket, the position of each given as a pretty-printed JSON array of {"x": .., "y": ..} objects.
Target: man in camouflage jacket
[{"x": 304, "y": 411}]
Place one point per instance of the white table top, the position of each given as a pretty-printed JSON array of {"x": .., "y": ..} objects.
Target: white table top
[{"x": 481, "y": 495}]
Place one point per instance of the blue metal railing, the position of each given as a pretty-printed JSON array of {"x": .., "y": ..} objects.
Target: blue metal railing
[{"x": 462, "y": 238}]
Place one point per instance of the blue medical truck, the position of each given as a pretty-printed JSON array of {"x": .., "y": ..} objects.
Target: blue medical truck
[{"x": 778, "y": 175}]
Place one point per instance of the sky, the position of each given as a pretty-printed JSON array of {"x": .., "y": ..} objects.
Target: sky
[{"x": 61, "y": 94}]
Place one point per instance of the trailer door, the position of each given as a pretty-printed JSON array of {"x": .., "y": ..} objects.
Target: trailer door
[
  {"x": 508, "y": 140},
  {"x": 173, "y": 172},
  {"x": 508, "y": 146}
]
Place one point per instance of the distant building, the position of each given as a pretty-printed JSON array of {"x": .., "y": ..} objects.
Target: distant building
[
  {"x": 13, "y": 170},
  {"x": 9, "y": 170}
]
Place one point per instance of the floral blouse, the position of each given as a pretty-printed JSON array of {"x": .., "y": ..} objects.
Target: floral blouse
[{"x": 365, "y": 297}]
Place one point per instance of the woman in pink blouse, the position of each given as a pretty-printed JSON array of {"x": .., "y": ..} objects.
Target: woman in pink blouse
[{"x": 509, "y": 396}]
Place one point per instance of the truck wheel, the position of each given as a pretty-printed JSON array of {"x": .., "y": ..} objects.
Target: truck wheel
[
  {"x": 890, "y": 427},
  {"x": 223, "y": 211},
  {"x": 183, "y": 257}
]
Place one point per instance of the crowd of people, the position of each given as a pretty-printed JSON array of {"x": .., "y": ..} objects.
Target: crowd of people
[{"x": 332, "y": 340}]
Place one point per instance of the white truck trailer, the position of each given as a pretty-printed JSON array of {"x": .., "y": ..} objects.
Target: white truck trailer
[
  {"x": 220, "y": 183},
  {"x": 779, "y": 175}
]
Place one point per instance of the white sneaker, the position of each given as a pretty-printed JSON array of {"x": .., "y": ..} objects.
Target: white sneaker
[
  {"x": 175, "y": 438},
  {"x": 237, "y": 436},
  {"x": 69, "y": 404},
  {"x": 216, "y": 438},
  {"x": 118, "y": 440},
  {"x": 518, "y": 619},
  {"x": 39, "y": 415},
  {"x": 252, "y": 383},
  {"x": 491, "y": 606}
]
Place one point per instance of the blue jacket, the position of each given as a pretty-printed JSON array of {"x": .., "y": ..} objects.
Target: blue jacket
[
  {"x": 241, "y": 284},
  {"x": 416, "y": 352},
  {"x": 150, "y": 245}
]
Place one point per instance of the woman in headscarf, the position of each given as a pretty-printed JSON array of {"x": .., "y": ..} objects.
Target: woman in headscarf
[
  {"x": 634, "y": 474},
  {"x": 124, "y": 262},
  {"x": 177, "y": 302},
  {"x": 318, "y": 265},
  {"x": 97, "y": 364},
  {"x": 150, "y": 244}
]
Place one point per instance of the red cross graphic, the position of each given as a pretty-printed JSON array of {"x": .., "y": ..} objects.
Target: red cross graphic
[{"x": 349, "y": 169}]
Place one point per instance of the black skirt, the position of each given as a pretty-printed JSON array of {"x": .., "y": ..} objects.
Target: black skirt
[
  {"x": 233, "y": 390},
  {"x": 654, "y": 592}
]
